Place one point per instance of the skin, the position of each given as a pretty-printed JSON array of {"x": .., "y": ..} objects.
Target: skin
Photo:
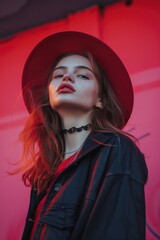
[{"x": 75, "y": 107}]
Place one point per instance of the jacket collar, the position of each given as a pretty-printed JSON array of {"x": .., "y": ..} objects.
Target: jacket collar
[{"x": 94, "y": 141}]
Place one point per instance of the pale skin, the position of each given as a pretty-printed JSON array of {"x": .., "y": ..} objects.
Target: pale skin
[{"x": 74, "y": 107}]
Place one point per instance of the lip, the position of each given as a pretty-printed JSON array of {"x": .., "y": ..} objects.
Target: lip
[{"x": 65, "y": 88}]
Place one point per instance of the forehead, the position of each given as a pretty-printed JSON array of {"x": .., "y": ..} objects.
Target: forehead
[{"x": 73, "y": 61}]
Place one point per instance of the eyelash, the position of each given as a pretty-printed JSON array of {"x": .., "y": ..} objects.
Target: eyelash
[
  {"x": 79, "y": 75},
  {"x": 58, "y": 76},
  {"x": 82, "y": 76}
]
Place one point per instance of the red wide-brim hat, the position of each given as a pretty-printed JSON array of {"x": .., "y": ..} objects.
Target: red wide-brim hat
[{"x": 40, "y": 61}]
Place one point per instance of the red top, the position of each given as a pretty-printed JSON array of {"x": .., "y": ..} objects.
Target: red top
[{"x": 60, "y": 169}]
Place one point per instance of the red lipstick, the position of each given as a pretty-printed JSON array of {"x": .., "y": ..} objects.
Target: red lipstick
[{"x": 65, "y": 88}]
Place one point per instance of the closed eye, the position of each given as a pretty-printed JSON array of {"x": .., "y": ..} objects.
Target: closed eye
[
  {"x": 58, "y": 76},
  {"x": 82, "y": 76}
]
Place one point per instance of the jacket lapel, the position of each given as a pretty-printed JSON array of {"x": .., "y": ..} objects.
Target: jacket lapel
[{"x": 94, "y": 141}]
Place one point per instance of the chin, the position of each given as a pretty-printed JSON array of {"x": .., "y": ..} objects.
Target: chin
[{"x": 72, "y": 106}]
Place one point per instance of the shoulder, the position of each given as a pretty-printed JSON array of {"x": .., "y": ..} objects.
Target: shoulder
[
  {"x": 121, "y": 142},
  {"x": 126, "y": 156},
  {"x": 132, "y": 159}
]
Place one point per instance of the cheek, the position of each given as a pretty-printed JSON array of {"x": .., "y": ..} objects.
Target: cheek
[
  {"x": 51, "y": 93},
  {"x": 92, "y": 92}
]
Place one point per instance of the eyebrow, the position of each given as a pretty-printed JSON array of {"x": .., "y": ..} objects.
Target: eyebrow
[{"x": 77, "y": 67}]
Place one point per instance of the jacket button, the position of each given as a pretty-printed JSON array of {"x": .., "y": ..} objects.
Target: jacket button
[{"x": 57, "y": 187}]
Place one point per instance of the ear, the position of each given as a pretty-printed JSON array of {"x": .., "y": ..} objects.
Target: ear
[{"x": 98, "y": 103}]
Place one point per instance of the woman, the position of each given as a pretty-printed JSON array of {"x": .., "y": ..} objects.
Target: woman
[{"x": 87, "y": 175}]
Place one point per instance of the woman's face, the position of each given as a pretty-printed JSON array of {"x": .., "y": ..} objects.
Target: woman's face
[{"x": 73, "y": 85}]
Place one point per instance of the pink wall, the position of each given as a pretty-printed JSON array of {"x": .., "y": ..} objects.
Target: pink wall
[{"x": 133, "y": 32}]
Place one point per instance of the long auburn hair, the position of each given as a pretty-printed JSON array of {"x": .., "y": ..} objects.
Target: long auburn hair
[{"x": 43, "y": 143}]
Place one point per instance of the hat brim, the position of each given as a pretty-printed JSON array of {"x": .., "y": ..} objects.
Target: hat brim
[{"x": 43, "y": 56}]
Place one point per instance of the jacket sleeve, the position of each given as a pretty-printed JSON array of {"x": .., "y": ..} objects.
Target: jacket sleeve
[
  {"x": 34, "y": 201},
  {"x": 119, "y": 210}
]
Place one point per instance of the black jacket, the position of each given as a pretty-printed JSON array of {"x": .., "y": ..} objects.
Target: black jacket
[{"x": 98, "y": 197}]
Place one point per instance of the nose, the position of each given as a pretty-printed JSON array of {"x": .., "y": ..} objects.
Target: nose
[{"x": 68, "y": 77}]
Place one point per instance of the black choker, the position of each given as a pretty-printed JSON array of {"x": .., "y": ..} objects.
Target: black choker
[{"x": 74, "y": 129}]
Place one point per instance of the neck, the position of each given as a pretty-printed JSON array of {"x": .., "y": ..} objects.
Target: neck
[
  {"x": 75, "y": 140},
  {"x": 74, "y": 119}
]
